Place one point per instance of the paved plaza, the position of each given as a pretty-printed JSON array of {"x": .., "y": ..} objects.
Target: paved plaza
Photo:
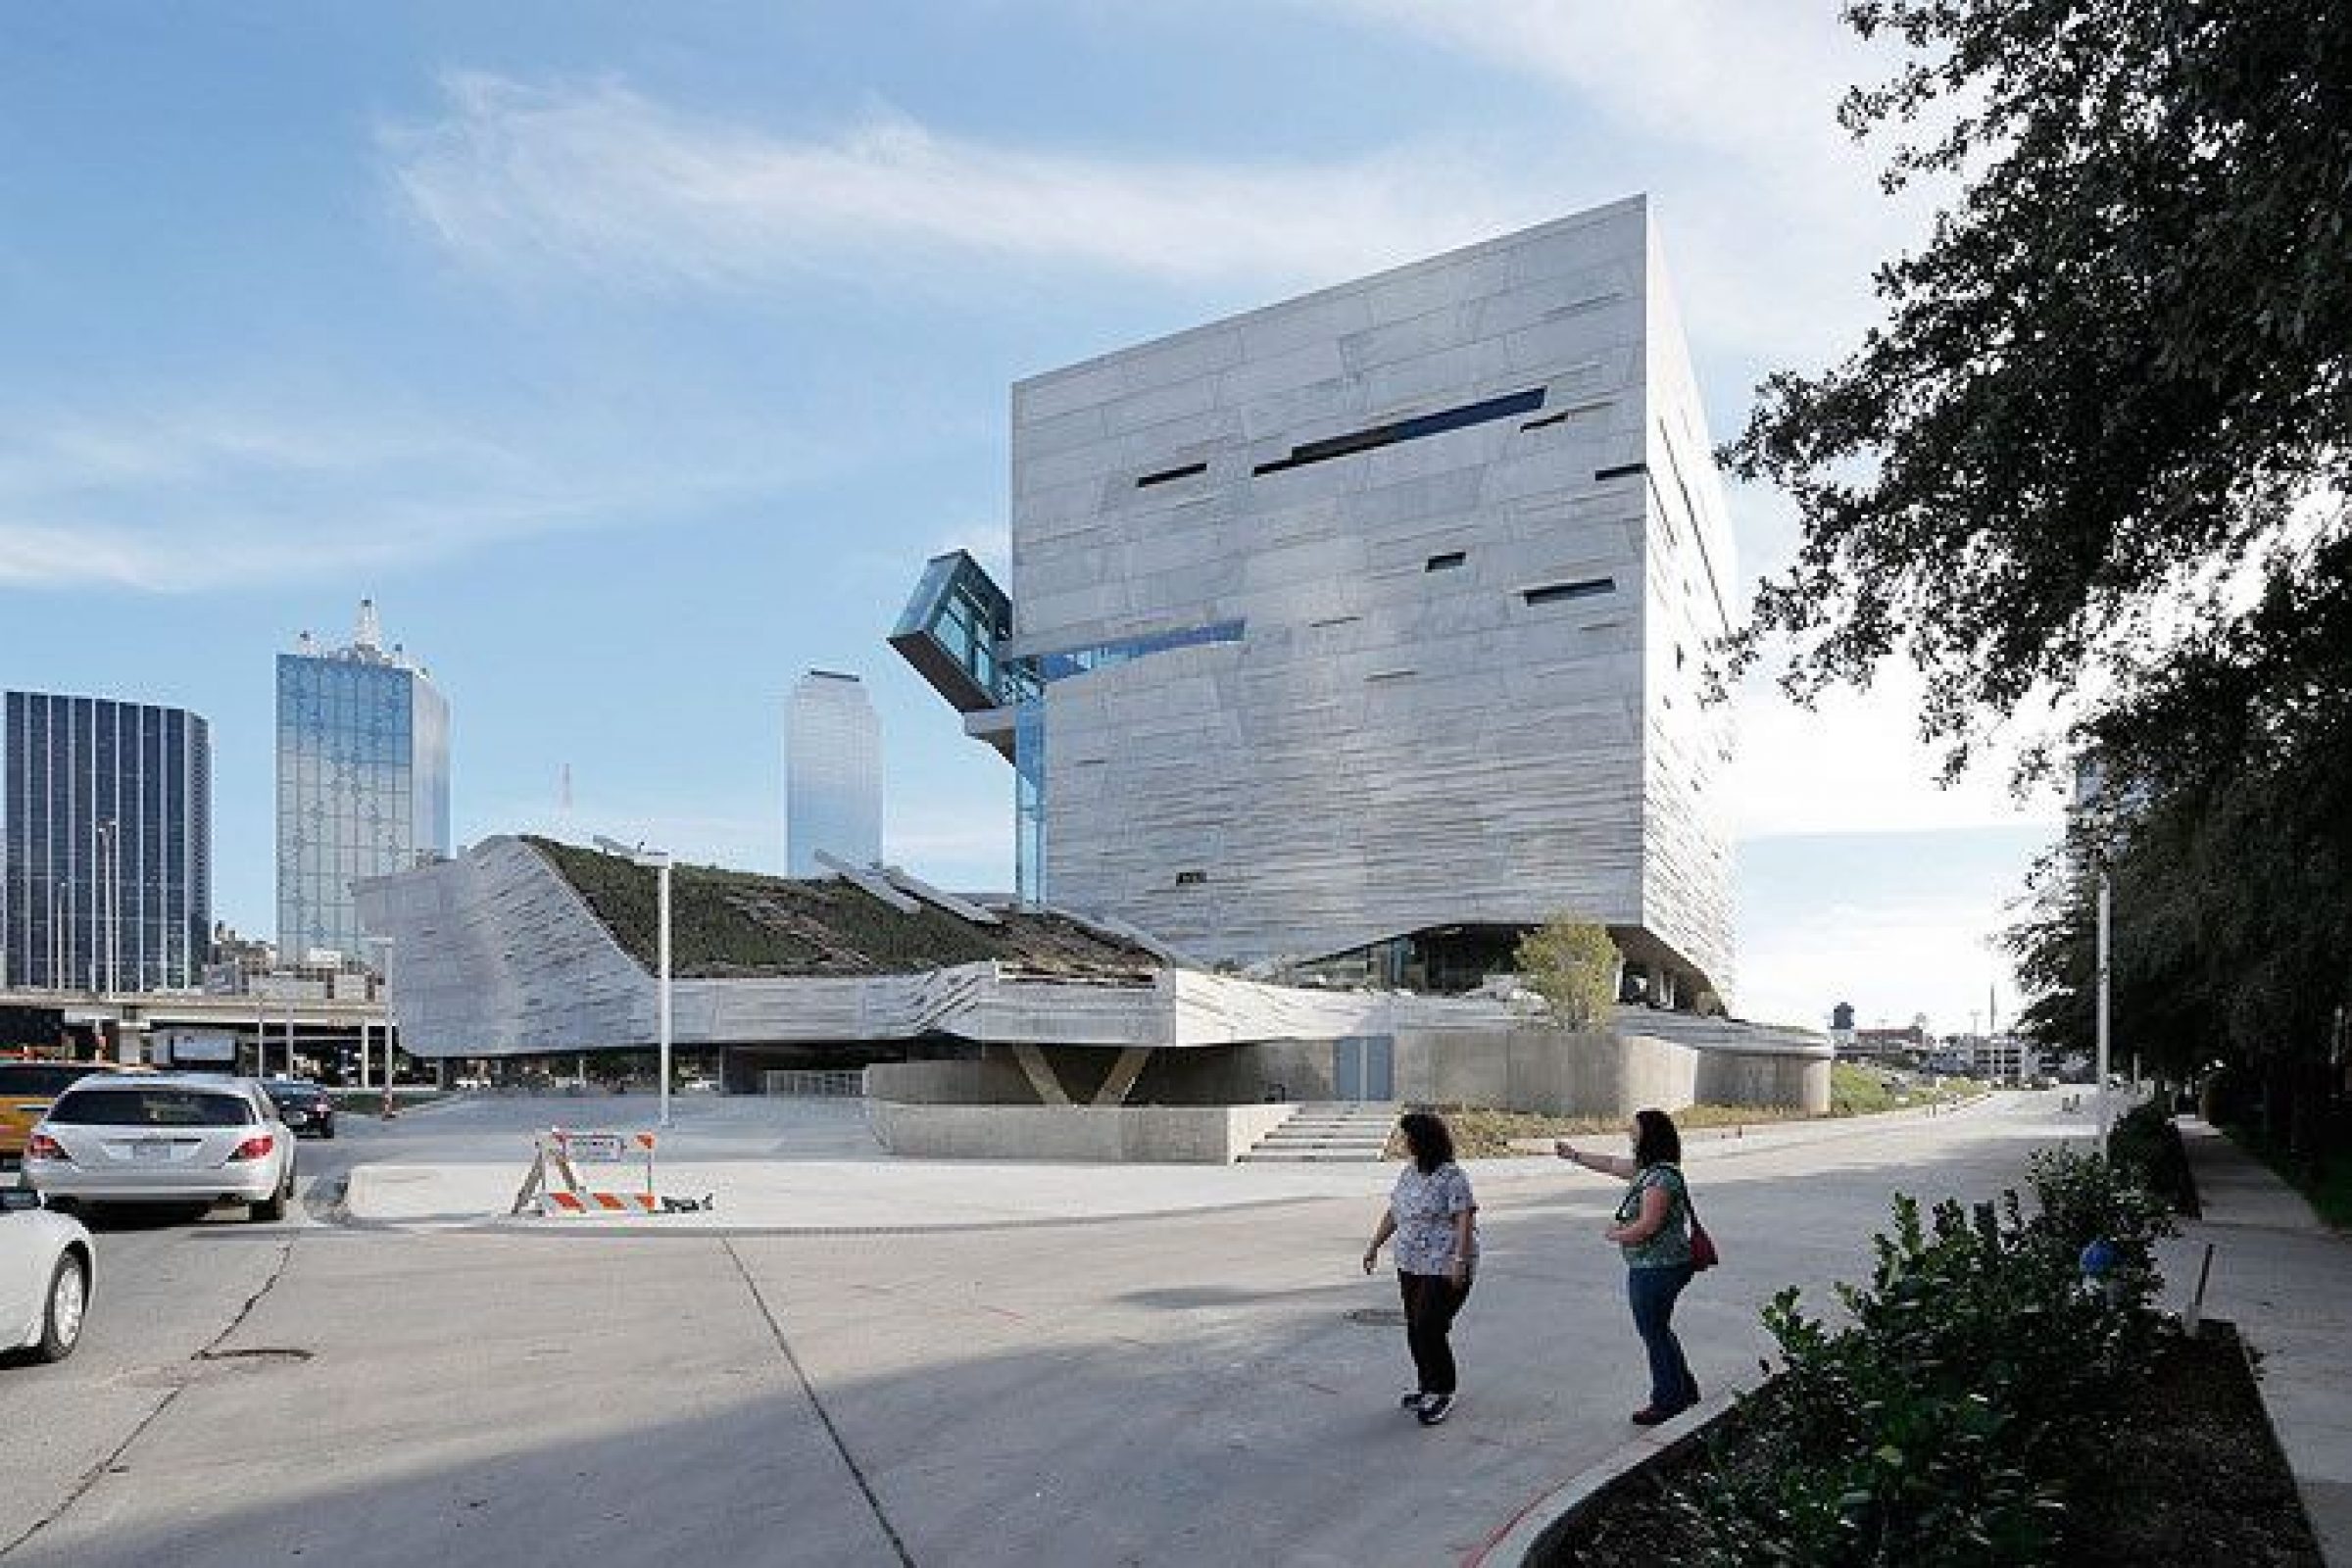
[{"x": 888, "y": 1362}]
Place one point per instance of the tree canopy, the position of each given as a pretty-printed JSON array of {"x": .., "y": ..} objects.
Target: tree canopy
[
  {"x": 2116, "y": 380},
  {"x": 2100, "y": 449},
  {"x": 1572, "y": 965}
]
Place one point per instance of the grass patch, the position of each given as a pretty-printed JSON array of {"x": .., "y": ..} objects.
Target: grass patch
[
  {"x": 2326, "y": 1181},
  {"x": 736, "y": 924},
  {"x": 1859, "y": 1091},
  {"x": 1480, "y": 1133}
]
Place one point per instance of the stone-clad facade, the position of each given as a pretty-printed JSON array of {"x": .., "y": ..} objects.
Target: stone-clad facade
[{"x": 1379, "y": 611}]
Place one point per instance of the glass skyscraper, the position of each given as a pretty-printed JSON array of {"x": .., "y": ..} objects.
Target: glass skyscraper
[
  {"x": 363, "y": 782},
  {"x": 109, "y": 882},
  {"x": 832, "y": 774}
]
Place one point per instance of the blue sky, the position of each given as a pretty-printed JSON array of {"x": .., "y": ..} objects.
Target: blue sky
[{"x": 634, "y": 358}]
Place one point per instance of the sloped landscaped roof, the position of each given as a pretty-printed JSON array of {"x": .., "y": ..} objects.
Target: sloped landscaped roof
[{"x": 740, "y": 925}]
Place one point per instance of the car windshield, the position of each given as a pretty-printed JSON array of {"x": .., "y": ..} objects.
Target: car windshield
[
  {"x": 151, "y": 1107},
  {"x": 288, "y": 1089}
]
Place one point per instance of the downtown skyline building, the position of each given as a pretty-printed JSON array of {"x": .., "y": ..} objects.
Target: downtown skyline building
[
  {"x": 108, "y": 844},
  {"x": 1367, "y": 630},
  {"x": 832, "y": 774},
  {"x": 363, "y": 782}
]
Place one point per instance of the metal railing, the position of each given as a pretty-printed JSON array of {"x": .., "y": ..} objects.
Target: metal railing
[{"x": 801, "y": 1084}]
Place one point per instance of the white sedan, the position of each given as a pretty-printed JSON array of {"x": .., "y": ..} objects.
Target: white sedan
[
  {"x": 46, "y": 1270},
  {"x": 164, "y": 1138}
]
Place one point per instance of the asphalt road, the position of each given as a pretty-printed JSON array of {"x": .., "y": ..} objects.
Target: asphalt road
[{"x": 1189, "y": 1389}]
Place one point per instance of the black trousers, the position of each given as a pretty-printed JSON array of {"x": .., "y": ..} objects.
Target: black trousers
[{"x": 1430, "y": 1304}]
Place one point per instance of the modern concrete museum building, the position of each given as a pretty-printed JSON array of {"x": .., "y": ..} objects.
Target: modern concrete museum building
[{"x": 1369, "y": 628}]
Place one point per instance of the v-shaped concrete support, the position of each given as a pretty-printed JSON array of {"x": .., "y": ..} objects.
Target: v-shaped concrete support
[
  {"x": 1039, "y": 1074},
  {"x": 1123, "y": 1074}
]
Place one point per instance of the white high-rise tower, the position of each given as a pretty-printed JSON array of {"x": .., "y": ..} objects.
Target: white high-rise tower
[{"x": 832, "y": 774}]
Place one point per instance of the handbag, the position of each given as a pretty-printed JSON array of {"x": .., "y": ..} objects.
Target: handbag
[{"x": 1702, "y": 1246}]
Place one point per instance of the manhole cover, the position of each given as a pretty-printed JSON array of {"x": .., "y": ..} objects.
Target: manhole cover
[{"x": 1378, "y": 1317}]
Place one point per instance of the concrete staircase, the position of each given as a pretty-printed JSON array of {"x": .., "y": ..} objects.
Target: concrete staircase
[{"x": 1332, "y": 1131}]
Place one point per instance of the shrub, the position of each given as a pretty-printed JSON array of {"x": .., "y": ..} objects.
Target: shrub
[
  {"x": 1932, "y": 1430},
  {"x": 2147, "y": 1144}
]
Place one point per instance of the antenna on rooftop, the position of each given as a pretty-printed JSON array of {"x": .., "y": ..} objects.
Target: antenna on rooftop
[{"x": 370, "y": 632}]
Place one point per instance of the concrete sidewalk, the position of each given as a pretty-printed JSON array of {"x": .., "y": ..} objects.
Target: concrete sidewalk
[{"x": 2286, "y": 1281}]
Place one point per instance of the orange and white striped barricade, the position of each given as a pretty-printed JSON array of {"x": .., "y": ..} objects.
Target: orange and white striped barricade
[{"x": 554, "y": 1188}]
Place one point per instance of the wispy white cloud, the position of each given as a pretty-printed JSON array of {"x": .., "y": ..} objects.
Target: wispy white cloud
[
  {"x": 1726, "y": 111},
  {"x": 181, "y": 495},
  {"x": 599, "y": 179}
]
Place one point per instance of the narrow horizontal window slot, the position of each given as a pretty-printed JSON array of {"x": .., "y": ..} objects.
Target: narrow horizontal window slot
[
  {"x": 1547, "y": 421},
  {"x": 1166, "y": 474},
  {"x": 1553, "y": 593},
  {"x": 1446, "y": 561},
  {"x": 1335, "y": 620},
  {"x": 1624, "y": 470},
  {"x": 1191, "y": 880},
  {"x": 1389, "y": 675},
  {"x": 1413, "y": 429}
]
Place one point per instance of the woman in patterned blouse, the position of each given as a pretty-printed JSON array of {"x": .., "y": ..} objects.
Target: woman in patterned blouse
[
  {"x": 1435, "y": 1220},
  {"x": 1654, "y": 1230}
]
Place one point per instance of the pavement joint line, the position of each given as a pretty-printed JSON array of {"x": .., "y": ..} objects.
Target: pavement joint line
[
  {"x": 107, "y": 1466},
  {"x": 507, "y": 1225},
  {"x": 816, "y": 1403}
]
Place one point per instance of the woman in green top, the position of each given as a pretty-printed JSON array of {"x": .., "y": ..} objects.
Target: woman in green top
[{"x": 1654, "y": 1230}]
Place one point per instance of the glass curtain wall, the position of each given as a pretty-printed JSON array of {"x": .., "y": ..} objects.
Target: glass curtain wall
[
  {"x": 363, "y": 788},
  {"x": 108, "y": 844}
]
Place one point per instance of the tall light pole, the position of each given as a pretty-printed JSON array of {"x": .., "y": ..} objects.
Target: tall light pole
[
  {"x": 2104, "y": 901},
  {"x": 108, "y": 896},
  {"x": 660, "y": 861}
]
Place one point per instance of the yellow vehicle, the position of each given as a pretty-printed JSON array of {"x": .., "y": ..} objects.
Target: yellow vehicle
[{"x": 26, "y": 1086}]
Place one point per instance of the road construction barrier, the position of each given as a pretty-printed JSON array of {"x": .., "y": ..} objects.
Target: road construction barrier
[
  {"x": 593, "y": 1203},
  {"x": 553, "y": 1186}
]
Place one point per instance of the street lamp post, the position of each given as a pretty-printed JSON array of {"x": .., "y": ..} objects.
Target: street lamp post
[
  {"x": 660, "y": 861},
  {"x": 2104, "y": 901},
  {"x": 109, "y": 898}
]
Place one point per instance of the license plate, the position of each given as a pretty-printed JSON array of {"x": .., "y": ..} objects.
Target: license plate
[{"x": 152, "y": 1148}]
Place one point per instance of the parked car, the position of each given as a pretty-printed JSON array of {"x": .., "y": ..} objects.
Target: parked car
[
  {"x": 165, "y": 1138},
  {"x": 47, "y": 1267},
  {"x": 302, "y": 1106},
  {"x": 26, "y": 1086}
]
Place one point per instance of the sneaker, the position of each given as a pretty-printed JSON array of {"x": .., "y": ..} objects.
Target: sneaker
[
  {"x": 1412, "y": 1400},
  {"x": 1436, "y": 1409}
]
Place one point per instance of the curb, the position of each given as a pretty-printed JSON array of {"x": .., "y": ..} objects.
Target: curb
[{"x": 1520, "y": 1539}]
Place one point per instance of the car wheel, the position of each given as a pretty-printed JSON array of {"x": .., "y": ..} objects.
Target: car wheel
[
  {"x": 273, "y": 1207},
  {"x": 328, "y": 1131},
  {"x": 69, "y": 1300}
]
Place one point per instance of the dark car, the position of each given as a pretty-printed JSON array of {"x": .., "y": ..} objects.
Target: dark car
[{"x": 303, "y": 1106}]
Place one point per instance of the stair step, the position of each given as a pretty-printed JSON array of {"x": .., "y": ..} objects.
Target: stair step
[{"x": 1265, "y": 1155}]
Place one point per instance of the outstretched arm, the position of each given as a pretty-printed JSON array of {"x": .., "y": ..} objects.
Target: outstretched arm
[{"x": 1607, "y": 1164}]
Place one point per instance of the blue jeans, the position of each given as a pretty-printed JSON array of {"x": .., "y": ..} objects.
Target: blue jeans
[{"x": 1652, "y": 1290}]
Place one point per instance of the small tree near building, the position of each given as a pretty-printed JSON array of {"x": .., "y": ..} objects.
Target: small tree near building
[{"x": 1572, "y": 965}]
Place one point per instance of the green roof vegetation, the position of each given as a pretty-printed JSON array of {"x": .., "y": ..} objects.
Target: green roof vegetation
[{"x": 733, "y": 925}]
